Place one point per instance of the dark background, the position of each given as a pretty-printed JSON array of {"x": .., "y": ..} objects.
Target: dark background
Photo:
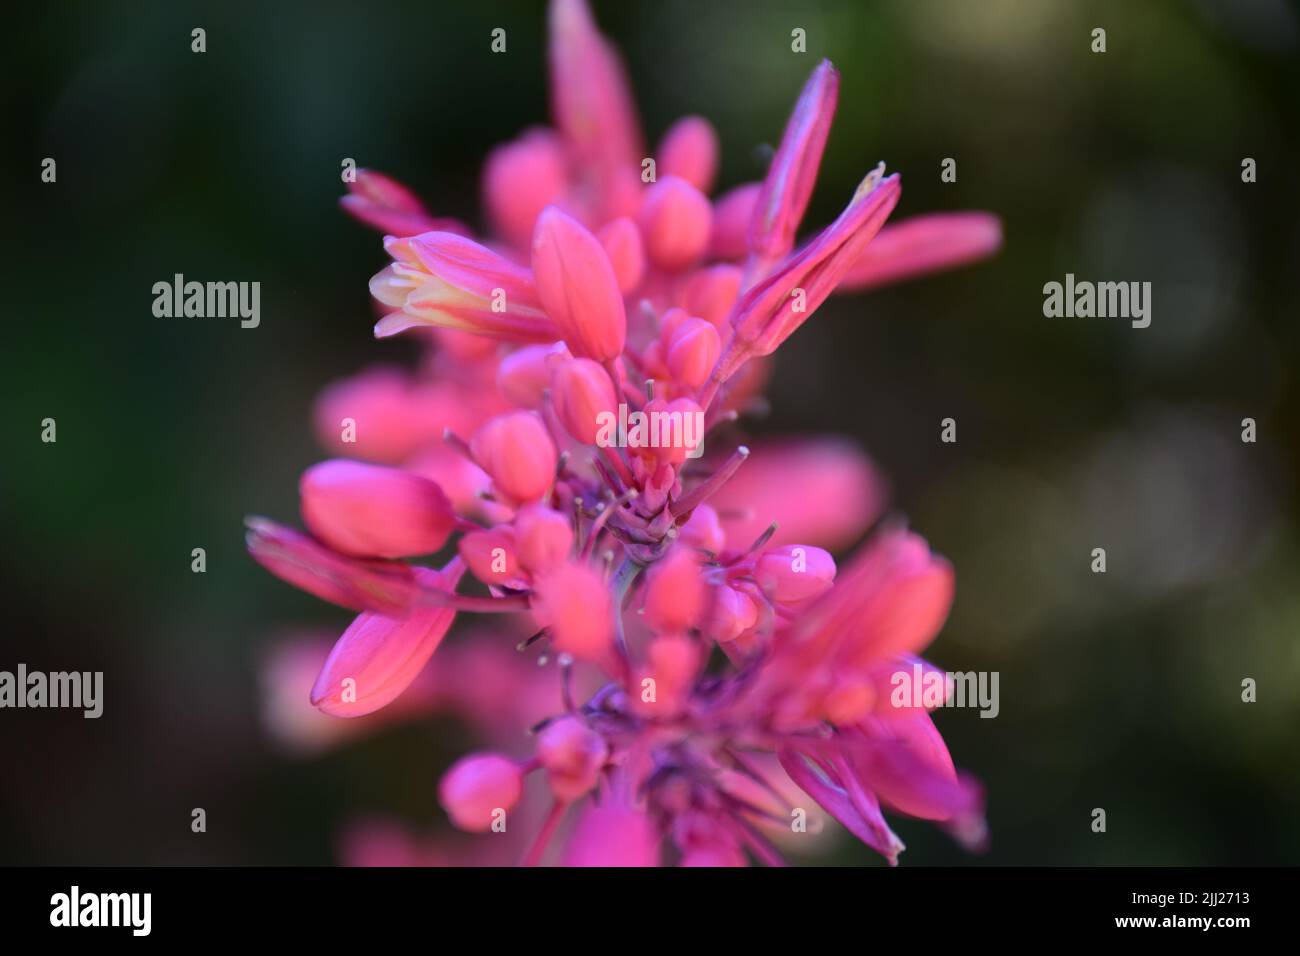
[{"x": 1119, "y": 691}]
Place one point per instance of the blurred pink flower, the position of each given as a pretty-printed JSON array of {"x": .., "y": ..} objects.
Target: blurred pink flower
[{"x": 549, "y": 439}]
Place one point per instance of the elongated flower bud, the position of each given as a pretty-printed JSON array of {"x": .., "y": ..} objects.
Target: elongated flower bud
[
  {"x": 374, "y": 511},
  {"x": 388, "y": 587},
  {"x": 578, "y": 287},
  {"x": 789, "y": 181},
  {"x": 517, "y": 451},
  {"x": 521, "y": 179},
  {"x": 584, "y": 398},
  {"x": 478, "y": 788},
  {"x": 590, "y": 98},
  {"x": 442, "y": 279},
  {"x": 378, "y": 657},
  {"x": 689, "y": 151},
  {"x": 676, "y": 220},
  {"x": 771, "y": 311}
]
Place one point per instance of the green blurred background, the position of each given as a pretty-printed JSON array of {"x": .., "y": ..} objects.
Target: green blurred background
[{"x": 1119, "y": 691}]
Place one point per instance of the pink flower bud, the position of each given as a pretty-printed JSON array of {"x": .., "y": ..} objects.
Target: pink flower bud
[
  {"x": 732, "y": 214},
  {"x": 712, "y": 292},
  {"x": 378, "y": 657},
  {"x": 492, "y": 557},
  {"x": 693, "y": 351},
  {"x": 477, "y": 788},
  {"x": 703, "y": 530},
  {"x": 374, "y": 511},
  {"x": 572, "y": 601},
  {"x": 673, "y": 664},
  {"x": 573, "y": 755},
  {"x": 517, "y": 451},
  {"x": 582, "y": 393},
  {"x": 621, "y": 240},
  {"x": 789, "y": 181},
  {"x": 668, "y": 322},
  {"x": 689, "y": 151},
  {"x": 525, "y": 373},
  {"x": 733, "y": 612},
  {"x": 795, "y": 572},
  {"x": 578, "y": 287},
  {"x": 543, "y": 536},
  {"x": 675, "y": 220},
  {"x": 674, "y": 592},
  {"x": 521, "y": 179}
]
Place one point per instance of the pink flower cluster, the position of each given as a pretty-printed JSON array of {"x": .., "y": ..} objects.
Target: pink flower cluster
[{"x": 704, "y": 672}]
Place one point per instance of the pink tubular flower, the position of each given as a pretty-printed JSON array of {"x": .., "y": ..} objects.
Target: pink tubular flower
[
  {"x": 921, "y": 245},
  {"x": 708, "y": 666},
  {"x": 771, "y": 311},
  {"x": 445, "y": 280}
]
